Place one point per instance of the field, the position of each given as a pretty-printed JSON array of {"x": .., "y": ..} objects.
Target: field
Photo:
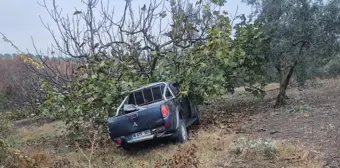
[{"x": 237, "y": 131}]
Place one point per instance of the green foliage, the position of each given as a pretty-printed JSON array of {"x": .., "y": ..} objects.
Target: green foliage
[
  {"x": 200, "y": 71},
  {"x": 331, "y": 69},
  {"x": 253, "y": 64},
  {"x": 298, "y": 42},
  {"x": 204, "y": 71},
  {"x": 93, "y": 95},
  {"x": 208, "y": 69}
]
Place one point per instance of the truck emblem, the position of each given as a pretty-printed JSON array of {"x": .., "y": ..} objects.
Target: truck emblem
[{"x": 135, "y": 124}]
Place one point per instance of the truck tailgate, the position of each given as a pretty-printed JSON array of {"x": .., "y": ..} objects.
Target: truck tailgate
[{"x": 148, "y": 117}]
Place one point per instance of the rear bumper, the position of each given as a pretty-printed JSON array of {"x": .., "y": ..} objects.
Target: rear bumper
[
  {"x": 150, "y": 137},
  {"x": 160, "y": 132}
]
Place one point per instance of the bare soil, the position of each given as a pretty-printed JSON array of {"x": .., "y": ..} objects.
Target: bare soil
[{"x": 311, "y": 117}]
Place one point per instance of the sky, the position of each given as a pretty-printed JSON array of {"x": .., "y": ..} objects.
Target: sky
[{"x": 20, "y": 22}]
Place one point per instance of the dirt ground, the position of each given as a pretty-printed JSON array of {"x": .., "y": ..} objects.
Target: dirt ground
[
  {"x": 311, "y": 117},
  {"x": 307, "y": 127}
]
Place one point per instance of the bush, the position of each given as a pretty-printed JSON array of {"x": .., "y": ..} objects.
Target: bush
[
  {"x": 262, "y": 147},
  {"x": 18, "y": 87},
  {"x": 332, "y": 69},
  {"x": 5, "y": 124},
  {"x": 10, "y": 158},
  {"x": 3, "y": 150}
]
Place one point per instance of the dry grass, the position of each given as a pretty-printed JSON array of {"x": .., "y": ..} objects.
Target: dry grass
[
  {"x": 261, "y": 153},
  {"x": 207, "y": 148},
  {"x": 35, "y": 132},
  {"x": 298, "y": 155},
  {"x": 211, "y": 147},
  {"x": 38, "y": 158}
]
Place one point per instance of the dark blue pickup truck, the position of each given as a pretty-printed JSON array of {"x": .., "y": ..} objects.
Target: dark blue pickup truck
[{"x": 153, "y": 111}]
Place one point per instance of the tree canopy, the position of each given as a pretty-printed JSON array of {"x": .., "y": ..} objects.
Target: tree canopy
[{"x": 303, "y": 35}]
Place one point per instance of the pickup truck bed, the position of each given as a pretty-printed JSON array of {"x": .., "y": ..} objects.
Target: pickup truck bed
[{"x": 147, "y": 118}]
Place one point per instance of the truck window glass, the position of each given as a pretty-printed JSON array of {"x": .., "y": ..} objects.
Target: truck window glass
[
  {"x": 174, "y": 88},
  {"x": 162, "y": 88},
  {"x": 168, "y": 94},
  {"x": 131, "y": 99},
  {"x": 139, "y": 97},
  {"x": 157, "y": 93},
  {"x": 147, "y": 95}
]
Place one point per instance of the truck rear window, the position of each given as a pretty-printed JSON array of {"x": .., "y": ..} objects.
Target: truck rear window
[{"x": 146, "y": 96}]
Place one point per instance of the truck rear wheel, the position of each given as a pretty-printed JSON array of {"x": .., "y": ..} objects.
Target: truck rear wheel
[
  {"x": 125, "y": 146},
  {"x": 182, "y": 133}
]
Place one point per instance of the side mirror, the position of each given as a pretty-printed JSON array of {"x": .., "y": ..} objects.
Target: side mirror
[{"x": 129, "y": 107}]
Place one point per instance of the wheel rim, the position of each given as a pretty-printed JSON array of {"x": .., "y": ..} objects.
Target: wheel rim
[{"x": 184, "y": 132}]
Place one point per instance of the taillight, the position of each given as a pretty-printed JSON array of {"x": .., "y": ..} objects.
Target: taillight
[
  {"x": 164, "y": 111},
  {"x": 166, "y": 123},
  {"x": 119, "y": 142}
]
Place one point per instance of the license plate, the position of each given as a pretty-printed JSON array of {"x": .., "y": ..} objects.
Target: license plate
[{"x": 140, "y": 134}]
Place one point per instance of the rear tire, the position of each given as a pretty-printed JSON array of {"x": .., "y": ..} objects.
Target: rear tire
[
  {"x": 181, "y": 133},
  {"x": 126, "y": 146}
]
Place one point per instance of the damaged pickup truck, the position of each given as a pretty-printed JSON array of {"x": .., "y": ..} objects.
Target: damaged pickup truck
[{"x": 150, "y": 112}]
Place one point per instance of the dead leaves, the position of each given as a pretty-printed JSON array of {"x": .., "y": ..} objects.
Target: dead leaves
[
  {"x": 228, "y": 116},
  {"x": 184, "y": 157}
]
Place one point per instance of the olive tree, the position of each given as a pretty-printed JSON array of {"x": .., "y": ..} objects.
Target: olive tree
[{"x": 300, "y": 32}]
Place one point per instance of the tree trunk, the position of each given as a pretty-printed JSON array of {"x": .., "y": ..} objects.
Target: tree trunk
[
  {"x": 284, "y": 78},
  {"x": 284, "y": 81}
]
